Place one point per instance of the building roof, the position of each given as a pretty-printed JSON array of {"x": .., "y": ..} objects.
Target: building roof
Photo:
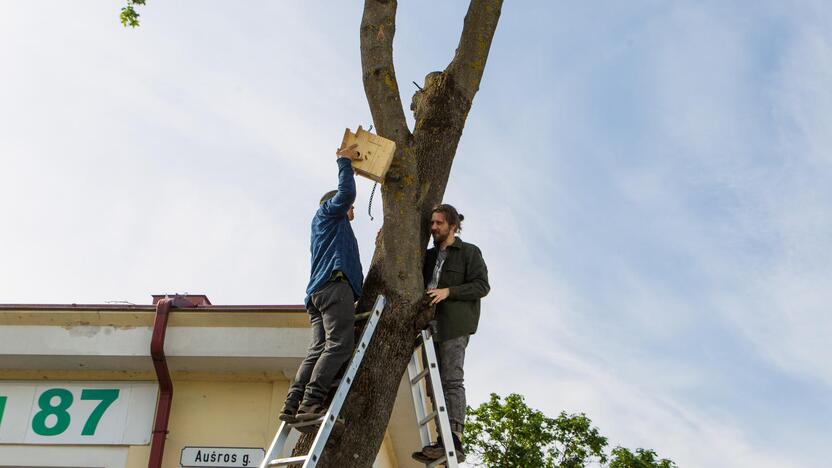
[{"x": 246, "y": 341}]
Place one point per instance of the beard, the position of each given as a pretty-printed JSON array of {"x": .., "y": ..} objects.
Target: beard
[{"x": 440, "y": 237}]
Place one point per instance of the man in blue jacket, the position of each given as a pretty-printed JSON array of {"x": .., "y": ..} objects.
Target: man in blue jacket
[{"x": 334, "y": 286}]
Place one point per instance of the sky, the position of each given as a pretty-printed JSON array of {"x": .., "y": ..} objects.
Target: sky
[{"x": 649, "y": 182}]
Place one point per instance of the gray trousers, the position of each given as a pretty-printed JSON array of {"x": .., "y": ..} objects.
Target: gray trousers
[
  {"x": 451, "y": 357},
  {"x": 332, "y": 315}
]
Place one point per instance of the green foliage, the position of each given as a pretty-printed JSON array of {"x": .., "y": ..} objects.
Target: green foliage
[
  {"x": 510, "y": 434},
  {"x": 579, "y": 442},
  {"x": 623, "y": 458},
  {"x": 507, "y": 434},
  {"x": 129, "y": 16}
]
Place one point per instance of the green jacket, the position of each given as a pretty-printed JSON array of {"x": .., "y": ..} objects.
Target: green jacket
[{"x": 466, "y": 276}]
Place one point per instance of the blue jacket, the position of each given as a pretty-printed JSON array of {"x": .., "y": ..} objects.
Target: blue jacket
[{"x": 333, "y": 244}]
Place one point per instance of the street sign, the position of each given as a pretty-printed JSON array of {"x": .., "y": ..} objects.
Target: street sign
[{"x": 221, "y": 457}]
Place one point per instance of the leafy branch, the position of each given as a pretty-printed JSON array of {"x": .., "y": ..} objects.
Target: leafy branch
[{"x": 129, "y": 16}]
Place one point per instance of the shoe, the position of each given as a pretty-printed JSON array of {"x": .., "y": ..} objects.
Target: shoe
[
  {"x": 309, "y": 419},
  {"x": 422, "y": 458},
  {"x": 310, "y": 412},
  {"x": 434, "y": 451},
  {"x": 437, "y": 450},
  {"x": 429, "y": 453},
  {"x": 290, "y": 409}
]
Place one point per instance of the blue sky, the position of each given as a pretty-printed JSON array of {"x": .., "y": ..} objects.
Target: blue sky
[{"x": 649, "y": 182}]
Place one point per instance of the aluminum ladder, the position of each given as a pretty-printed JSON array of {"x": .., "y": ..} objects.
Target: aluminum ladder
[
  {"x": 417, "y": 370},
  {"x": 327, "y": 421}
]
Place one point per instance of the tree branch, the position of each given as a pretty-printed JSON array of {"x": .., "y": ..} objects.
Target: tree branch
[
  {"x": 378, "y": 26},
  {"x": 471, "y": 54}
]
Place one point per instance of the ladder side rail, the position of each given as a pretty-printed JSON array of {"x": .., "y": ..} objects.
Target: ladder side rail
[
  {"x": 441, "y": 408},
  {"x": 321, "y": 438},
  {"x": 419, "y": 395},
  {"x": 277, "y": 445}
]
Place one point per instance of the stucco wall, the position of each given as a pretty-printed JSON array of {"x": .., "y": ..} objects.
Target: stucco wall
[{"x": 217, "y": 414}]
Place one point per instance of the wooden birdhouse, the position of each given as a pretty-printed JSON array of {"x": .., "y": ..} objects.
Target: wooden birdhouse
[{"x": 375, "y": 153}]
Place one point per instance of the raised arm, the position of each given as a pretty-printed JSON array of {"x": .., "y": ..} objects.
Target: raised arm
[{"x": 340, "y": 204}]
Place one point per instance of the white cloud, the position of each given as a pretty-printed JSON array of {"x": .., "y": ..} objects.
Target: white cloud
[
  {"x": 784, "y": 308},
  {"x": 648, "y": 183}
]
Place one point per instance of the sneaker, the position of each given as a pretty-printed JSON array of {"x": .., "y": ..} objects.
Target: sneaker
[
  {"x": 434, "y": 451},
  {"x": 437, "y": 450},
  {"x": 429, "y": 453},
  {"x": 310, "y": 418},
  {"x": 310, "y": 412},
  {"x": 422, "y": 458},
  {"x": 290, "y": 409}
]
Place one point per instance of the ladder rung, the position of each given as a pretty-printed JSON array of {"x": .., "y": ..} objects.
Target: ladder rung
[
  {"x": 311, "y": 422},
  {"x": 420, "y": 376},
  {"x": 288, "y": 461},
  {"x": 427, "y": 418},
  {"x": 438, "y": 461}
]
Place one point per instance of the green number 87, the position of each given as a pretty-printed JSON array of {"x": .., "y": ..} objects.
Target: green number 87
[{"x": 105, "y": 396}]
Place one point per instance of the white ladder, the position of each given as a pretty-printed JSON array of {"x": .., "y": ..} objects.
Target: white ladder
[
  {"x": 416, "y": 371},
  {"x": 310, "y": 460}
]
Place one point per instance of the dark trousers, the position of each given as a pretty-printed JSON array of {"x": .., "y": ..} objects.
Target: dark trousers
[
  {"x": 332, "y": 315},
  {"x": 451, "y": 357}
]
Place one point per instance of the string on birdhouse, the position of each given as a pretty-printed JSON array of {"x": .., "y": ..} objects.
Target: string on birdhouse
[
  {"x": 370, "y": 206},
  {"x": 372, "y": 192}
]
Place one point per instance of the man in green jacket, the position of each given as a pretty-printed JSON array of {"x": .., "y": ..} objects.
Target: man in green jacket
[{"x": 456, "y": 278}]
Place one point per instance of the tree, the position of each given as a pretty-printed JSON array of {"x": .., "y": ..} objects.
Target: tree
[
  {"x": 623, "y": 458},
  {"x": 509, "y": 433},
  {"x": 415, "y": 183}
]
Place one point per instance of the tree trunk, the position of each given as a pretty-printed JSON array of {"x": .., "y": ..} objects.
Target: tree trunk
[{"x": 415, "y": 183}]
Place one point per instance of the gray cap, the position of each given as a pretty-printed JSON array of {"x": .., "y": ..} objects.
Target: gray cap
[{"x": 328, "y": 195}]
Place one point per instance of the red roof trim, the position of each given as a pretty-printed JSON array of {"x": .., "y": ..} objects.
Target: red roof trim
[{"x": 151, "y": 308}]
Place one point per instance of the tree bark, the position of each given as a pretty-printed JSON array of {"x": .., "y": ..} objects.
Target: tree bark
[{"x": 415, "y": 183}]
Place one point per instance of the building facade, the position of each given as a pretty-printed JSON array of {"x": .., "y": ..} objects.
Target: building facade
[{"x": 78, "y": 385}]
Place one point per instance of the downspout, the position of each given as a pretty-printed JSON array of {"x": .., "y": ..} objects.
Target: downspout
[{"x": 157, "y": 352}]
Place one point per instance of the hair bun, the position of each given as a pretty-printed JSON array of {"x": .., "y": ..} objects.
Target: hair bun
[{"x": 461, "y": 217}]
